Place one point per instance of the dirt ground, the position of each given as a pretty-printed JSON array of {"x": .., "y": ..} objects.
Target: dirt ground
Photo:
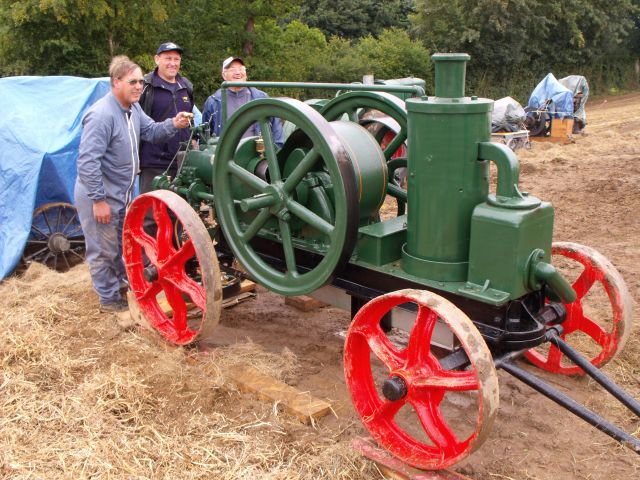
[{"x": 83, "y": 396}]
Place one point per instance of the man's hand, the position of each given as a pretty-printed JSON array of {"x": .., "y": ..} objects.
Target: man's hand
[
  {"x": 182, "y": 119},
  {"x": 102, "y": 211}
]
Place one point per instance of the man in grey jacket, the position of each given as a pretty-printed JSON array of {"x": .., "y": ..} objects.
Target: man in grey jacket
[{"x": 107, "y": 167}]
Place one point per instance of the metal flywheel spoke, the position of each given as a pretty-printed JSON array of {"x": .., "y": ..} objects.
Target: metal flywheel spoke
[
  {"x": 417, "y": 385},
  {"x": 184, "y": 269}
]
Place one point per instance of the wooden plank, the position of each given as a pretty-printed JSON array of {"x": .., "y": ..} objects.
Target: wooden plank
[
  {"x": 394, "y": 469},
  {"x": 303, "y": 303},
  {"x": 300, "y": 404},
  {"x": 247, "y": 286}
]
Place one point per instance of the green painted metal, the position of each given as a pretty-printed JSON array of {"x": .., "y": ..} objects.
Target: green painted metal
[
  {"x": 502, "y": 241},
  {"x": 370, "y": 168},
  {"x": 450, "y": 74},
  {"x": 408, "y": 81},
  {"x": 276, "y": 200},
  {"x": 381, "y": 243},
  {"x": 355, "y": 104},
  {"x": 446, "y": 180}
]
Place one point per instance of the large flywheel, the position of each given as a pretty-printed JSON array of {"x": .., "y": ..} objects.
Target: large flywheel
[
  {"x": 301, "y": 198},
  {"x": 173, "y": 270}
]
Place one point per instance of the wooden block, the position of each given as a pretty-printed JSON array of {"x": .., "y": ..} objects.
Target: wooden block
[
  {"x": 303, "y": 302},
  {"x": 394, "y": 469},
  {"x": 247, "y": 286},
  {"x": 295, "y": 402},
  {"x": 235, "y": 300}
]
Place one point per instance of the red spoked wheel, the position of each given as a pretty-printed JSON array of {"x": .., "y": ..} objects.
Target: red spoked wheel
[
  {"x": 423, "y": 413},
  {"x": 599, "y": 321},
  {"x": 182, "y": 268}
]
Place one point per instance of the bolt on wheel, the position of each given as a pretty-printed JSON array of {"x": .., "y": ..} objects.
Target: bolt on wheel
[
  {"x": 598, "y": 322},
  {"x": 428, "y": 408},
  {"x": 56, "y": 238},
  {"x": 180, "y": 270}
]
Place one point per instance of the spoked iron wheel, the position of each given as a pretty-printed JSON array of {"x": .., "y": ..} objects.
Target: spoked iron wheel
[
  {"x": 56, "y": 238},
  {"x": 252, "y": 204},
  {"x": 427, "y": 415},
  {"x": 598, "y": 322},
  {"x": 182, "y": 272},
  {"x": 389, "y": 128}
]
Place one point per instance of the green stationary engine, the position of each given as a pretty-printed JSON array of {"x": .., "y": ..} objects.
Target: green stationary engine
[{"x": 468, "y": 267}]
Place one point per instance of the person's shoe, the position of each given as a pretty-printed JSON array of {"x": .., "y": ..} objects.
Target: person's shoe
[
  {"x": 114, "y": 307},
  {"x": 124, "y": 287}
]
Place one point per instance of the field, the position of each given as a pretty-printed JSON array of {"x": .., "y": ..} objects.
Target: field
[{"x": 83, "y": 395}]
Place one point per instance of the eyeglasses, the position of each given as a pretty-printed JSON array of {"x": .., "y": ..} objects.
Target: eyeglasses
[
  {"x": 133, "y": 81},
  {"x": 236, "y": 70}
]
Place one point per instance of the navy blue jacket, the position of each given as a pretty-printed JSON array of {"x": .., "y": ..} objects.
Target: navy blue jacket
[
  {"x": 166, "y": 104},
  {"x": 212, "y": 113}
]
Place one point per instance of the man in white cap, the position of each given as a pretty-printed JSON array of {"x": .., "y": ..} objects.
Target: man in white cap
[{"x": 234, "y": 70}]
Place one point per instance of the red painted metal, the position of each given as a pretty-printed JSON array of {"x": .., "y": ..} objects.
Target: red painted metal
[
  {"x": 169, "y": 255},
  {"x": 401, "y": 152},
  {"x": 596, "y": 270},
  {"x": 427, "y": 382}
]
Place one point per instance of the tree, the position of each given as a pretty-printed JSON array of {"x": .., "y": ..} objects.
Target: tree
[
  {"x": 355, "y": 18},
  {"x": 75, "y": 36}
]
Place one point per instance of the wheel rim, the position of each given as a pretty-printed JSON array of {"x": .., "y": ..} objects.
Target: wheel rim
[
  {"x": 173, "y": 270},
  {"x": 606, "y": 338},
  {"x": 56, "y": 237},
  {"x": 426, "y": 382},
  {"x": 275, "y": 199}
]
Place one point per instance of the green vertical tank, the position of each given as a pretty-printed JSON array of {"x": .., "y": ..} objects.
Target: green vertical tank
[{"x": 446, "y": 180}]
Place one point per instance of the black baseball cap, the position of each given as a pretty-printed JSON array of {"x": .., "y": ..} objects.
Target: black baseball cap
[{"x": 169, "y": 47}]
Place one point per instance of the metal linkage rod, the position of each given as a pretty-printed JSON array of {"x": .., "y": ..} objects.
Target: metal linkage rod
[
  {"x": 611, "y": 387},
  {"x": 415, "y": 89},
  {"x": 570, "y": 404}
]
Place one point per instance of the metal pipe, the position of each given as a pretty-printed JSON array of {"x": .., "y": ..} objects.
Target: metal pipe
[
  {"x": 570, "y": 404},
  {"x": 626, "y": 399},
  {"x": 548, "y": 274},
  {"x": 415, "y": 89}
]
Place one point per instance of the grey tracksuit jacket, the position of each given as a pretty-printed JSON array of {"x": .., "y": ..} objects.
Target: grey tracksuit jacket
[{"x": 108, "y": 161}]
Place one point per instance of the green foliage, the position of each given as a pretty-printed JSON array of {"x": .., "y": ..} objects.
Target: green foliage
[
  {"x": 51, "y": 37},
  {"x": 354, "y": 19},
  {"x": 514, "y": 43}
]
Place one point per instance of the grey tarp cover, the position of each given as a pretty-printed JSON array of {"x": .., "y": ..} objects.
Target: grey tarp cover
[
  {"x": 578, "y": 84},
  {"x": 507, "y": 116}
]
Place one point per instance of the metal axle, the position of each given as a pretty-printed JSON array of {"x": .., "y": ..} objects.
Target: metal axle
[{"x": 506, "y": 364}]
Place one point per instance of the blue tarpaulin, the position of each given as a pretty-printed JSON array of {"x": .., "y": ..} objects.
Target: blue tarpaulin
[
  {"x": 550, "y": 90},
  {"x": 40, "y": 131}
]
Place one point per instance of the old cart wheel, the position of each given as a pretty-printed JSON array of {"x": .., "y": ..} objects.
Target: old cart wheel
[
  {"x": 184, "y": 270},
  {"x": 56, "y": 238},
  {"x": 599, "y": 322},
  {"x": 452, "y": 409},
  {"x": 247, "y": 200}
]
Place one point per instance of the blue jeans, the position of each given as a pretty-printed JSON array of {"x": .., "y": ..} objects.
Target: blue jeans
[{"x": 103, "y": 247}]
